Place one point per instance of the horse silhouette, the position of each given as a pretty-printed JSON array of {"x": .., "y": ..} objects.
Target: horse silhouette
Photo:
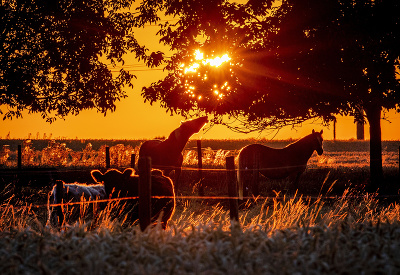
[
  {"x": 166, "y": 154},
  {"x": 290, "y": 161}
]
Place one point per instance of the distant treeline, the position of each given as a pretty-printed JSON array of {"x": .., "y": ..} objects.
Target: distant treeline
[
  {"x": 329, "y": 145},
  {"x": 224, "y": 144}
]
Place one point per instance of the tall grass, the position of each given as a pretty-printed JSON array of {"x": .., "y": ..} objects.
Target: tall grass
[
  {"x": 278, "y": 236},
  {"x": 278, "y": 213},
  {"x": 271, "y": 215},
  {"x": 354, "y": 233}
]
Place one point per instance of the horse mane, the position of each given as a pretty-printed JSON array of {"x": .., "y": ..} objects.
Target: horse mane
[{"x": 300, "y": 140}]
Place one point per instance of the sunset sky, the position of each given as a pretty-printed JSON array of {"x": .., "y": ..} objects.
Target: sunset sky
[{"x": 134, "y": 119}]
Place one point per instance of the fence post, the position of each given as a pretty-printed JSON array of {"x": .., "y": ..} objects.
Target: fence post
[
  {"x": 59, "y": 200},
  {"x": 232, "y": 188},
  {"x": 108, "y": 162},
  {"x": 133, "y": 161},
  {"x": 19, "y": 157},
  {"x": 144, "y": 166},
  {"x": 200, "y": 166}
]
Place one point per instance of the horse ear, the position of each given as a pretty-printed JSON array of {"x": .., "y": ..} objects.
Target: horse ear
[
  {"x": 128, "y": 172},
  {"x": 322, "y": 131},
  {"x": 313, "y": 131},
  {"x": 96, "y": 175},
  {"x": 157, "y": 172}
]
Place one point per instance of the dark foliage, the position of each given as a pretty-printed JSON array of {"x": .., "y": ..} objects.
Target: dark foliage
[
  {"x": 56, "y": 56},
  {"x": 289, "y": 63}
]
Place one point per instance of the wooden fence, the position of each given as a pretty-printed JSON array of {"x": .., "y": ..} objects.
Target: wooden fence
[{"x": 144, "y": 166}]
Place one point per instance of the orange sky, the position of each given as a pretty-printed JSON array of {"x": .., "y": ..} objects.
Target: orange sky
[{"x": 134, "y": 119}]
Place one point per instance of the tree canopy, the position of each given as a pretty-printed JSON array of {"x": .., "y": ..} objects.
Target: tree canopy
[
  {"x": 57, "y": 56},
  {"x": 288, "y": 62},
  {"x": 265, "y": 63}
]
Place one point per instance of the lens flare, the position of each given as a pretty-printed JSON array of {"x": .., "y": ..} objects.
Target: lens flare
[
  {"x": 193, "y": 69},
  {"x": 199, "y": 56},
  {"x": 217, "y": 61}
]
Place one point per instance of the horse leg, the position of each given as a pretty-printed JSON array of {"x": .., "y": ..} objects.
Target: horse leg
[
  {"x": 59, "y": 199},
  {"x": 243, "y": 181},
  {"x": 255, "y": 174},
  {"x": 296, "y": 181},
  {"x": 177, "y": 178},
  {"x": 255, "y": 182},
  {"x": 178, "y": 170}
]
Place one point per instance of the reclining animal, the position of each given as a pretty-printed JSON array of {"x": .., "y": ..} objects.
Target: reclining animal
[{"x": 73, "y": 193}]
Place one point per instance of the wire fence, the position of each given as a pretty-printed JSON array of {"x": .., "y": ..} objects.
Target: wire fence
[
  {"x": 144, "y": 201},
  {"x": 258, "y": 198},
  {"x": 60, "y": 156},
  {"x": 200, "y": 157}
]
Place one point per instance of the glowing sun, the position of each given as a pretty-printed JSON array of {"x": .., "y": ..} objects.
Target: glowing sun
[
  {"x": 218, "y": 91},
  {"x": 199, "y": 56}
]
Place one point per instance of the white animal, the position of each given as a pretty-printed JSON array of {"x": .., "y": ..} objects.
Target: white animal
[{"x": 70, "y": 193}]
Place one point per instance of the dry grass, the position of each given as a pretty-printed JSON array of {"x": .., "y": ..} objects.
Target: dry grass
[
  {"x": 351, "y": 234},
  {"x": 58, "y": 154},
  {"x": 280, "y": 236}
]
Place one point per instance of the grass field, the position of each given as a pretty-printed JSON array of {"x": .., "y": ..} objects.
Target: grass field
[
  {"x": 283, "y": 232},
  {"x": 91, "y": 153}
]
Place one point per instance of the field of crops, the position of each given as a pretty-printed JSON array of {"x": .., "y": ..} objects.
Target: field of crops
[
  {"x": 91, "y": 153},
  {"x": 282, "y": 232}
]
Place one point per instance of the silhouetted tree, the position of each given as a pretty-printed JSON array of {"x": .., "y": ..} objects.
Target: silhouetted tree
[
  {"x": 349, "y": 55},
  {"x": 371, "y": 60},
  {"x": 57, "y": 56},
  {"x": 289, "y": 63}
]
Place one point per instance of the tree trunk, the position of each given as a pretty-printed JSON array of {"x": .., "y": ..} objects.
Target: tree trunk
[
  {"x": 360, "y": 130},
  {"x": 374, "y": 118}
]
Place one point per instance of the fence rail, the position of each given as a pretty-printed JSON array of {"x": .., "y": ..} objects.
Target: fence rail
[
  {"x": 106, "y": 160},
  {"x": 145, "y": 184}
]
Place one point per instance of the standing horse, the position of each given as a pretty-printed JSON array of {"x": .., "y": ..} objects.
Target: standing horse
[
  {"x": 167, "y": 155},
  {"x": 290, "y": 161}
]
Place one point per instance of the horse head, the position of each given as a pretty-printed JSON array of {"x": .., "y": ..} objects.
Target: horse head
[
  {"x": 194, "y": 125},
  {"x": 318, "y": 143}
]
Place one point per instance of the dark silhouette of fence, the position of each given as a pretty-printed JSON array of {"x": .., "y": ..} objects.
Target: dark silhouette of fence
[{"x": 145, "y": 183}]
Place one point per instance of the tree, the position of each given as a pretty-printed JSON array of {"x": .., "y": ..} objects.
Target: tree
[
  {"x": 258, "y": 90},
  {"x": 372, "y": 33},
  {"x": 57, "y": 57},
  {"x": 351, "y": 46},
  {"x": 289, "y": 63}
]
